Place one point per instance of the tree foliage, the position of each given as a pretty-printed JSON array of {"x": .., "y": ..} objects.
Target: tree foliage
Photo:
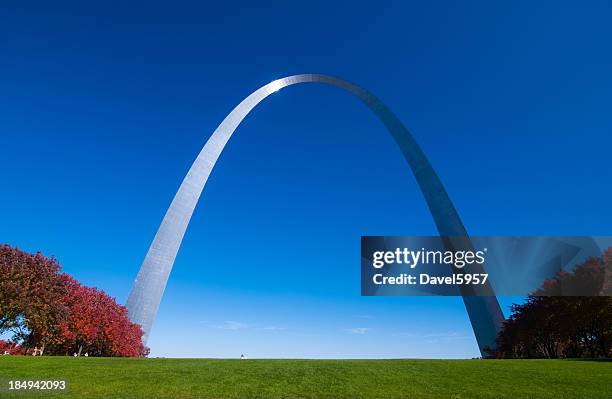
[
  {"x": 31, "y": 292},
  {"x": 548, "y": 325},
  {"x": 40, "y": 306},
  {"x": 10, "y": 348}
]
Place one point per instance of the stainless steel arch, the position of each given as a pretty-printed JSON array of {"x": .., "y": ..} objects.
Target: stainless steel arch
[{"x": 144, "y": 299}]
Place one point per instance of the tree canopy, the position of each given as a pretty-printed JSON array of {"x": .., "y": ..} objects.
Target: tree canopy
[
  {"x": 577, "y": 325},
  {"x": 41, "y": 306}
]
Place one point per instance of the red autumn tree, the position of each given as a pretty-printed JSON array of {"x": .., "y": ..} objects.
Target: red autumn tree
[
  {"x": 96, "y": 324},
  {"x": 31, "y": 292},
  {"x": 45, "y": 308},
  {"x": 10, "y": 348}
]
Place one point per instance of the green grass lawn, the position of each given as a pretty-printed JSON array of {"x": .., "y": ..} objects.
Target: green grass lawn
[{"x": 208, "y": 378}]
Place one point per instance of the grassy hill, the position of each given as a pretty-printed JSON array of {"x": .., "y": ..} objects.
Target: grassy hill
[{"x": 208, "y": 378}]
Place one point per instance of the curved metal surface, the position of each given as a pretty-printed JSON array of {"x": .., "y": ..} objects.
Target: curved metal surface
[{"x": 144, "y": 299}]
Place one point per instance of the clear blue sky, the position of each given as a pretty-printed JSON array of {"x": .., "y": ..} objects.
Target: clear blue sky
[{"x": 103, "y": 107}]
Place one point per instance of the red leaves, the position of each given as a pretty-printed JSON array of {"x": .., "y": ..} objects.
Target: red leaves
[
  {"x": 10, "y": 348},
  {"x": 99, "y": 324},
  {"x": 44, "y": 306},
  {"x": 30, "y": 292}
]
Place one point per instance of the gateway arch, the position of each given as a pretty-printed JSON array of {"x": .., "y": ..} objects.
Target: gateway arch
[{"x": 143, "y": 302}]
